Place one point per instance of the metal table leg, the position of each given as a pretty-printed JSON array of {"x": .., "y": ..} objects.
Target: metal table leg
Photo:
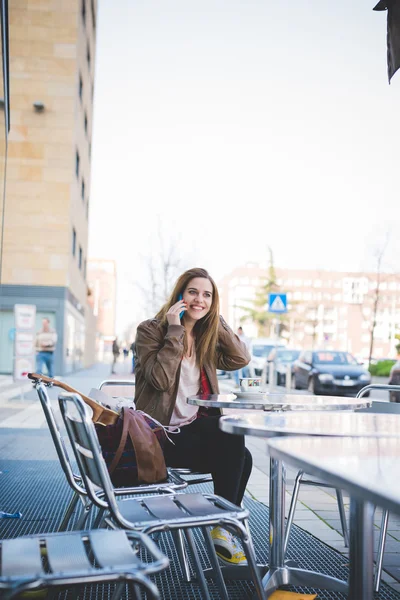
[
  {"x": 280, "y": 573},
  {"x": 361, "y": 550}
]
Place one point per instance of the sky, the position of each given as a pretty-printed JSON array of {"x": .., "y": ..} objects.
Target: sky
[{"x": 231, "y": 126}]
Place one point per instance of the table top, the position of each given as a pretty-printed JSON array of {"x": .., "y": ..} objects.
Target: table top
[
  {"x": 367, "y": 468},
  {"x": 322, "y": 423},
  {"x": 274, "y": 402}
]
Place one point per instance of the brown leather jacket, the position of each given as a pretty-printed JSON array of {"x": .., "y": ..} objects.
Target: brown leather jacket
[{"x": 159, "y": 352}]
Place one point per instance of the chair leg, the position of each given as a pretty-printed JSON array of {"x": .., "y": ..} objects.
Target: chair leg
[
  {"x": 179, "y": 540},
  {"x": 292, "y": 508},
  {"x": 119, "y": 591},
  {"x": 343, "y": 520},
  {"x": 69, "y": 511},
  {"x": 84, "y": 516},
  {"x": 249, "y": 551},
  {"x": 151, "y": 589},
  {"x": 99, "y": 518},
  {"x": 197, "y": 565},
  {"x": 219, "y": 580},
  {"x": 381, "y": 550}
]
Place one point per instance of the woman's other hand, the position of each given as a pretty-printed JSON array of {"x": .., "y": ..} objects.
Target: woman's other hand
[{"x": 174, "y": 312}]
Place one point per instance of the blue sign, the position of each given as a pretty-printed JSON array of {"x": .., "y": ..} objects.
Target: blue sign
[{"x": 277, "y": 303}]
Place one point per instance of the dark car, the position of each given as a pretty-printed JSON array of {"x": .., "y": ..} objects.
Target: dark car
[
  {"x": 394, "y": 379},
  {"x": 282, "y": 359},
  {"x": 329, "y": 372}
]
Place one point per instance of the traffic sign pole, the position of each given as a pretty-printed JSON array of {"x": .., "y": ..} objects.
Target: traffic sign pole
[{"x": 277, "y": 304}]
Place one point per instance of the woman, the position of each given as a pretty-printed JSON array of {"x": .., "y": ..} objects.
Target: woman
[{"x": 177, "y": 354}]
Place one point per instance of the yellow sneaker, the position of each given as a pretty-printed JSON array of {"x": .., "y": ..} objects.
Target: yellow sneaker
[{"x": 227, "y": 548}]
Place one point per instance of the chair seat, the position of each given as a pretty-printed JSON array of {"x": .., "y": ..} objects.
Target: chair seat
[
  {"x": 182, "y": 508},
  {"x": 73, "y": 558}
]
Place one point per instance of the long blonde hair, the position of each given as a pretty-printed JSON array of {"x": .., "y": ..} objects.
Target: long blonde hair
[{"x": 206, "y": 329}]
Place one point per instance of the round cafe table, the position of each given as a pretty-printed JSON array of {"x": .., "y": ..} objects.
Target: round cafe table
[
  {"x": 312, "y": 423},
  {"x": 279, "y": 402}
]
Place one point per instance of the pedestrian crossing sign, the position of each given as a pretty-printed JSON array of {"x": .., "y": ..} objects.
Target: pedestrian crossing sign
[{"x": 277, "y": 303}]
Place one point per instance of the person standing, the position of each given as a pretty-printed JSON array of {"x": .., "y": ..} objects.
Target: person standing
[
  {"x": 46, "y": 340},
  {"x": 177, "y": 355},
  {"x": 115, "y": 351}
]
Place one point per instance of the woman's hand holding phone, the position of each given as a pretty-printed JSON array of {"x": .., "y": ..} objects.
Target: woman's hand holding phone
[{"x": 176, "y": 312}]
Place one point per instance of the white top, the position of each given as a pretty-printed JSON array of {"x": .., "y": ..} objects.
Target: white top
[{"x": 189, "y": 385}]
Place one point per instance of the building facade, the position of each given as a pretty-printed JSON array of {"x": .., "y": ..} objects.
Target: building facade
[
  {"x": 52, "y": 49},
  {"x": 332, "y": 310},
  {"x": 102, "y": 281}
]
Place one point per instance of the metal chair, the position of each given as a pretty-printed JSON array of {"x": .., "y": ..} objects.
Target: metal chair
[
  {"x": 174, "y": 483},
  {"x": 178, "y": 513},
  {"x": 126, "y": 387},
  {"x": 71, "y": 559}
]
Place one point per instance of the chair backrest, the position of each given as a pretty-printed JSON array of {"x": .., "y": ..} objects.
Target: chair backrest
[
  {"x": 85, "y": 444},
  {"x": 380, "y": 406},
  {"x": 73, "y": 479},
  {"x": 118, "y": 387}
]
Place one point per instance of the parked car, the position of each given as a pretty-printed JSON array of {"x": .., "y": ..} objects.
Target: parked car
[
  {"x": 260, "y": 349},
  {"x": 282, "y": 358},
  {"x": 394, "y": 379},
  {"x": 329, "y": 372}
]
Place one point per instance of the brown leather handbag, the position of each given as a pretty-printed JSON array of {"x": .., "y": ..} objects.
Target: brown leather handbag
[{"x": 133, "y": 449}]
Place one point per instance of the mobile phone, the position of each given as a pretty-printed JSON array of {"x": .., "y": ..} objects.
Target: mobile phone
[{"x": 182, "y": 312}]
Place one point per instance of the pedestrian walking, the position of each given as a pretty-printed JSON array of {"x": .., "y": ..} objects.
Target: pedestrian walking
[
  {"x": 46, "y": 340},
  {"x": 177, "y": 355},
  {"x": 115, "y": 351}
]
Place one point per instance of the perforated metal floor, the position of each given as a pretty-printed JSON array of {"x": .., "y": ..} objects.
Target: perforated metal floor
[{"x": 38, "y": 490}]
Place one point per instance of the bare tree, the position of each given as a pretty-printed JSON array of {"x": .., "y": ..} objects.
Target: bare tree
[
  {"x": 162, "y": 265},
  {"x": 379, "y": 254}
]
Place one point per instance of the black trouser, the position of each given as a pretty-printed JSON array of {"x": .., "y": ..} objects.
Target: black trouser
[{"x": 203, "y": 447}]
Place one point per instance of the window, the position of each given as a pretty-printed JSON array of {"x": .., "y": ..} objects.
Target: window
[
  {"x": 80, "y": 86},
  {"x": 80, "y": 257},
  {"x": 85, "y": 122},
  {"x": 77, "y": 161},
  {"x": 83, "y": 190},
  {"x": 83, "y": 11},
  {"x": 88, "y": 55},
  {"x": 73, "y": 242}
]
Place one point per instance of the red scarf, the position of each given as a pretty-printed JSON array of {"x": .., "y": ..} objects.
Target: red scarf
[{"x": 205, "y": 388}]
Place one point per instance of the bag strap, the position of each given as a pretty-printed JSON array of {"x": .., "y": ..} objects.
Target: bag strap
[
  {"x": 149, "y": 455},
  {"x": 122, "y": 442}
]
